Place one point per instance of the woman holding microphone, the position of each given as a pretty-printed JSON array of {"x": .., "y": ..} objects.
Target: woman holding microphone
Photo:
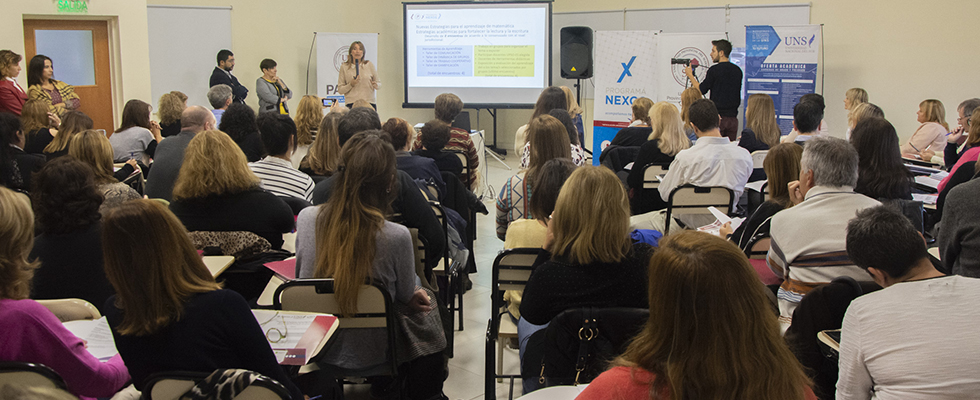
[{"x": 358, "y": 79}]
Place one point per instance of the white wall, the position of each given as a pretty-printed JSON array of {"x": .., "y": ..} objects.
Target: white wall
[{"x": 901, "y": 51}]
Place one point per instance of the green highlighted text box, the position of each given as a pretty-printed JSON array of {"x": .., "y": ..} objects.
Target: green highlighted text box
[{"x": 509, "y": 61}]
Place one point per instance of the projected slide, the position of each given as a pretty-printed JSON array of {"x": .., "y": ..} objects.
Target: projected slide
[{"x": 470, "y": 46}]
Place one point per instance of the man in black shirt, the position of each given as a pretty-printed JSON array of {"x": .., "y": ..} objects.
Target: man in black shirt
[{"x": 724, "y": 80}]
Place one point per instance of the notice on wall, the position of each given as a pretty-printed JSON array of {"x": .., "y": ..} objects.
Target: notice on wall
[{"x": 781, "y": 61}]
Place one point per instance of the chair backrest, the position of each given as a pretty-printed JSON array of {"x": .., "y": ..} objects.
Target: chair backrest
[
  {"x": 295, "y": 204},
  {"x": 650, "y": 175},
  {"x": 601, "y": 334},
  {"x": 758, "y": 158},
  {"x": 765, "y": 191},
  {"x": 71, "y": 309},
  {"x": 512, "y": 268},
  {"x": 465, "y": 175},
  {"x": 758, "y": 246},
  {"x": 419, "y": 250},
  {"x": 689, "y": 199},
  {"x": 30, "y": 375}
]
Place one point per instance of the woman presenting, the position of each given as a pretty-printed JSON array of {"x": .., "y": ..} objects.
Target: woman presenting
[
  {"x": 60, "y": 97},
  {"x": 358, "y": 79}
]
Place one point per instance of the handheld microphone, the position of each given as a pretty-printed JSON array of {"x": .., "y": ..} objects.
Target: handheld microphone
[{"x": 357, "y": 68}]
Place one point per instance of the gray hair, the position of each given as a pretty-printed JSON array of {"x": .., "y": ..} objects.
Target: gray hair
[
  {"x": 834, "y": 161},
  {"x": 219, "y": 95},
  {"x": 968, "y": 106}
]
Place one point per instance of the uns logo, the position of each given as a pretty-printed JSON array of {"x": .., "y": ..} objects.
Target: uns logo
[{"x": 800, "y": 40}]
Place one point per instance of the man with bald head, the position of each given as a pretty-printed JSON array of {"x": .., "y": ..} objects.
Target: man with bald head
[{"x": 170, "y": 152}]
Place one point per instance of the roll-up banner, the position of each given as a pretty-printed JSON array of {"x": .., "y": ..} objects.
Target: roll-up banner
[
  {"x": 682, "y": 46},
  {"x": 331, "y": 53},
  {"x": 781, "y": 61}
]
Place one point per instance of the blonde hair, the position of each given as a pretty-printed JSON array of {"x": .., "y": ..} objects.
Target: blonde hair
[
  {"x": 934, "y": 111},
  {"x": 361, "y": 104},
  {"x": 760, "y": 116},
  {"x": 856, "y": 96},
  {"x": 213, "y": 165},
  {"x": 324, "y": 154},
  {"x": 93, "y": 148},
  {"x": 33, "y": 116},
  {"x": 573, "y": 107},
  {"x": 170, "y": 270},
  {"x": 16, "y": 241},
  {"x": 72, "y": 123},
  {"x": 591, "y": 218},
  {"x": 668, "y": 128},
  {"x": 308, "y": 117},
  {"x": 688, "y": 97},
  {"x": 862, "y": 111},
  {"x": 170, "y": 107},
  {"x": 711, "y": 333},
  {"x": 641, "y": 110}
]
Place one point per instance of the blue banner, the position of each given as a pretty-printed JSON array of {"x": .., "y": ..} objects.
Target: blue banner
[{"x": 781, "y": 61}]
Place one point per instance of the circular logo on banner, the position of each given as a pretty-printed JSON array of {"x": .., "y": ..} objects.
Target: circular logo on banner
[
  {"x": 603, "y": 145},
  {"x": 692, "y": 53},
  {"x": 340, "y": 57}
]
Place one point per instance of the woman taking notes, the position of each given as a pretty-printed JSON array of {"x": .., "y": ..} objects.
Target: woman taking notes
[
  {"x": 57, "y": 95},
  {"x": 358, "y": 79},
  {"x": 273, "y": 92}
]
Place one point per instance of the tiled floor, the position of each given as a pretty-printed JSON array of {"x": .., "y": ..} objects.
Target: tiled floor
[{"x": 466, "y": 369}]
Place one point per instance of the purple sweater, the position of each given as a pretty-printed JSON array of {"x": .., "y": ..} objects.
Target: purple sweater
[{"x": 31, "y": 333}]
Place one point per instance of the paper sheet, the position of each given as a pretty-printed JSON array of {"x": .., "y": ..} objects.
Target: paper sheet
[
  {"x": 927, "y": 181},
  {"x": 757, "y": 185},
  {"x": 98, "y": 335},
  {"x": 925, "y": 198},
  {"x": 715, "y": 227},
  {"x": 293, "y": 326}
]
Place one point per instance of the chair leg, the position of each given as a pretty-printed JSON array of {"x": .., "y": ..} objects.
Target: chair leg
[
  {"x": 500, "y": 360},
  {"x": 490, "y": 387}
]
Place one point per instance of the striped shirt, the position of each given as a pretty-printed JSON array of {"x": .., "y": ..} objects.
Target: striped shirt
[
  {"x": 281, "y": 179},
  {"x": 808, "y": 247}
]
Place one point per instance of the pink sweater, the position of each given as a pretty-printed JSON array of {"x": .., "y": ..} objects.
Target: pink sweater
[
  {"x": 967, "y": 156},
  {"x": 31, "y": 333}
]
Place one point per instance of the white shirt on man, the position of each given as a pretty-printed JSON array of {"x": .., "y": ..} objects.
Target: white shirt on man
[
  {"x": 712, "y": 161},
  {"x": 913, "y": 340}
]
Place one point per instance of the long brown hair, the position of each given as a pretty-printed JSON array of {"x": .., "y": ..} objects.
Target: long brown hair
[
  {"x": 308, "y": 117},
  {"x": 33, "y": 116},
  {"x": 641, "y": 110},
  {"x": 135, "y": 113},
  {"x": 549, "y": 140},
  {"x": 213, "y": 165},
  {"x": 91, "y": 147},
  {"x": 324, "y": 154},
  {"x": 688, "y": 97},
  {"x": 144, "y": 233},
  {"x": 16, "y": 241},
  {"x": 592, "y": 218},
  {"x": 346, "y": 227},
  {"x": 761, "y": 119},
  {"x": 782, "y": 166},
  {"x": 72, "y": 123},
  {"x": 712, "y": 333}
]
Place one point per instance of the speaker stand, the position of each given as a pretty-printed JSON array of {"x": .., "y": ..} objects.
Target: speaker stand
[{"x": 492, "y": 149}]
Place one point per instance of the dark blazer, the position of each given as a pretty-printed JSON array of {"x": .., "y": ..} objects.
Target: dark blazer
[
  {"x": 219, "y": 77},
  {"x": 27, "y": 165}
]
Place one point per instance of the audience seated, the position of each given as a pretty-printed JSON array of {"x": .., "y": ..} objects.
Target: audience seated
[
  {"x": 931, "y": 135},
  {"x": 578, "y": 154},
  {"x": 959, "y": 243},
  {"x": 324, "y": 153},
  {"x": 215, "y": 191},
  {"x": 912, "y": 339},
  {"x": 37, "y": 125},
  {"x": 575, "y": 112},
  {"x": 881, "y": 173},
  {"x": 549, "y": 140},
  {"x": 640, "y": 125},
  {"x": 72, "y": 123},
  {"x": 220, "y": 97},
  {"x": 667, "y": 138},
  {"x": 309, "y": 114},
  {"x": 435, "y": 135},
  {"x": 138, "y": 136},
  {"x": 782, "y": 166},
  {"x": 958, "y": 136},
  {"x": 356, "y": 120},
  {"x": 31, "y": 333},
  {"x": 420, "y": 168},
  {"x": 587, "y": 260},
  {"x": 815, "y": 109},
  {"x": 447, "y": 107},
  {"x": 551, "y": 97},
  {"x": 67, "y": 205},
  {"x": 971, "y": 149},
  {"x": 93, "y": 149},
  {"x": 807, "y": 245},
  {"x": 859, "y": 113},
  {"x": 710, "y": 335},
  {"x": 806, "y": 122},
  {"x": 169, "y": 108},
  {"x": 275, "y": 171},
  {"x": 349, "y": 240},
  {"x": 688, "y": 97},
  {"x": 170, "y": 155},
  {"x": 761, "y": 130},
  {"x": 239, "y": 123},
  {"x": 169, "y": 314},
  {"x": 712, "y": 161},
  {"x": 16, "y": 166}
]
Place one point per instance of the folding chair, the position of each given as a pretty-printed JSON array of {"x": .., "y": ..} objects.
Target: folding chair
[
  {"x": 758, "y": 158},
  {"x": 30, "y": 375},
  {"x": 511, "y": 270},
  {"x": 374, "y": 310},
  {"x": 757, "y": 249},
  {"x": 695, "y": 200},
  {"x": 465, "y": 175},
  {"x": 450, "y": 269},
  {"x": 173, "y": 385},
  {"x": 71, "y": 309},
  {"x": 650, "y": 175}
]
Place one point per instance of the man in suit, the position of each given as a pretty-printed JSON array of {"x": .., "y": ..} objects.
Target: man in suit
[{"x": 222, "y": 75}]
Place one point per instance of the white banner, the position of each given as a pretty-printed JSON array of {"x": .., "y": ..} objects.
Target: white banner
[
  {"x": 672, "y": 80},
  {"x": 625, "y": 70},
  {"x": 331, "y": 52}
]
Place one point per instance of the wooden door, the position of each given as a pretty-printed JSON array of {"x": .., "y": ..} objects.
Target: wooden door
[{"x": 66, "y": 43}]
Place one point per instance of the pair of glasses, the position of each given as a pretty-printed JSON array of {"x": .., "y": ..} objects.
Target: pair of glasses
[{"x": 274, "y": 334}]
